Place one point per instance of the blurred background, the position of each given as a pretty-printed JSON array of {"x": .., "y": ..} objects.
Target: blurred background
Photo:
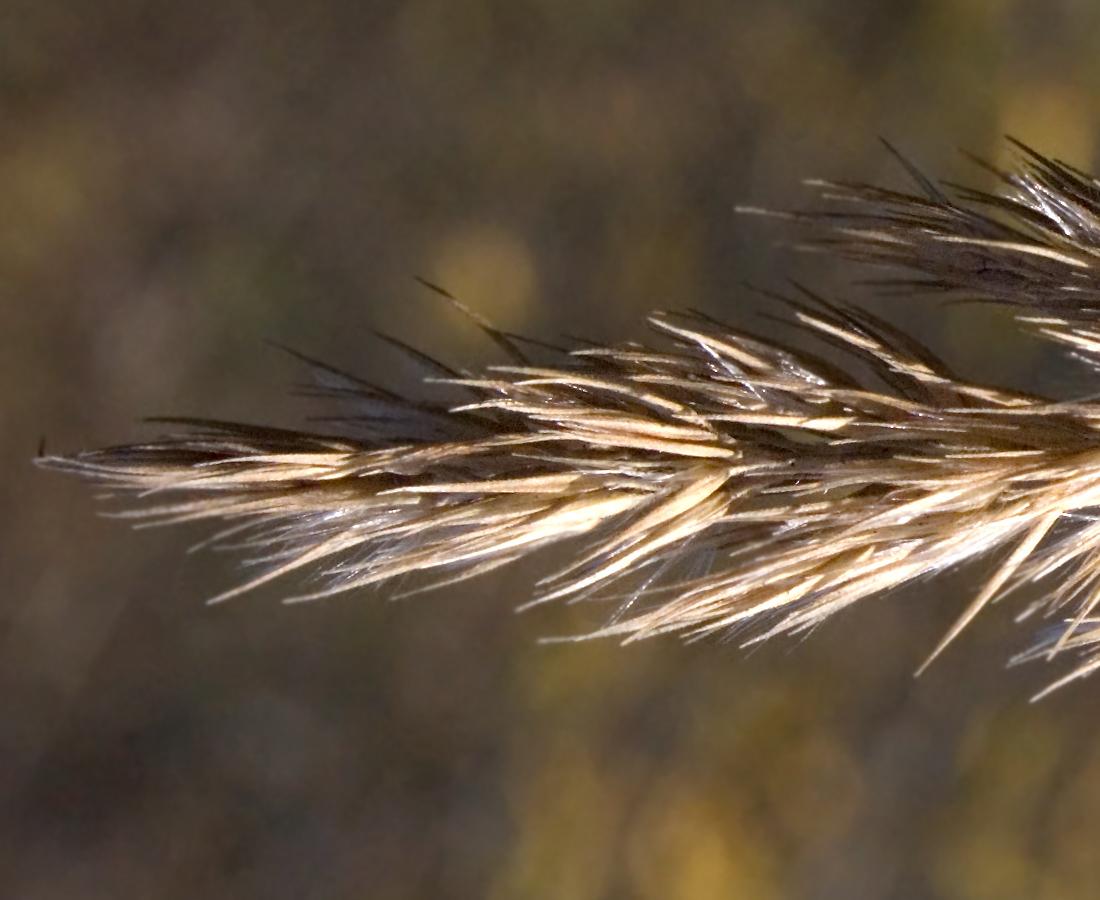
[{"x": 183, "y": 184}]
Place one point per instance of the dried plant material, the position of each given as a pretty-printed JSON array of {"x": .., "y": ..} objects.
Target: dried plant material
[{"x": 716, "y": 481}]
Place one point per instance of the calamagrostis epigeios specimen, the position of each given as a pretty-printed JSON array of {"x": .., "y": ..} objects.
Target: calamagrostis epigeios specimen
[{"x": 716, "y": 481}]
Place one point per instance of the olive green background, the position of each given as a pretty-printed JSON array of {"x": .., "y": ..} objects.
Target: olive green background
[{"x": 183, "y": 183}]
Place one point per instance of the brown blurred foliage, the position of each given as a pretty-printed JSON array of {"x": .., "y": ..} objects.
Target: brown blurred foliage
[{"x": 181, "y": 182}]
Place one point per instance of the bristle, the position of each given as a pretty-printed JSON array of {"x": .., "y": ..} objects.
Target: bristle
[{"x": 805, "y": 486}]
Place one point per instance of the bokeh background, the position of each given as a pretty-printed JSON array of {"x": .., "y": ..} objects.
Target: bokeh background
[{"x": 182, "y": 184}]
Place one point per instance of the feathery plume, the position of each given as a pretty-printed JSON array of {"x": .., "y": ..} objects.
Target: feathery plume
[{"x": 717, "y": 481}]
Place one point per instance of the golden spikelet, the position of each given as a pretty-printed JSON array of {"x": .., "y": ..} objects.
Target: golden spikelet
[{"x": 719, "y": 481}]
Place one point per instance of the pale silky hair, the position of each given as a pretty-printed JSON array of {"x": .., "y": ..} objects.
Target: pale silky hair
[{"x": 713, "y": 481}]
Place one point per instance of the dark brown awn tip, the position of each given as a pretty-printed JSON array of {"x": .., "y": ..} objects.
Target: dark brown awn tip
[{"x": 718, "y": 482}]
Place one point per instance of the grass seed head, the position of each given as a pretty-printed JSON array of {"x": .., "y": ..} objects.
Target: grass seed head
[{"x": 716, "y": 481}]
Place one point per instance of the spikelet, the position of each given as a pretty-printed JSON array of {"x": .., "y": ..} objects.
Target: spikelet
[{"x": 716, "y": 481}]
